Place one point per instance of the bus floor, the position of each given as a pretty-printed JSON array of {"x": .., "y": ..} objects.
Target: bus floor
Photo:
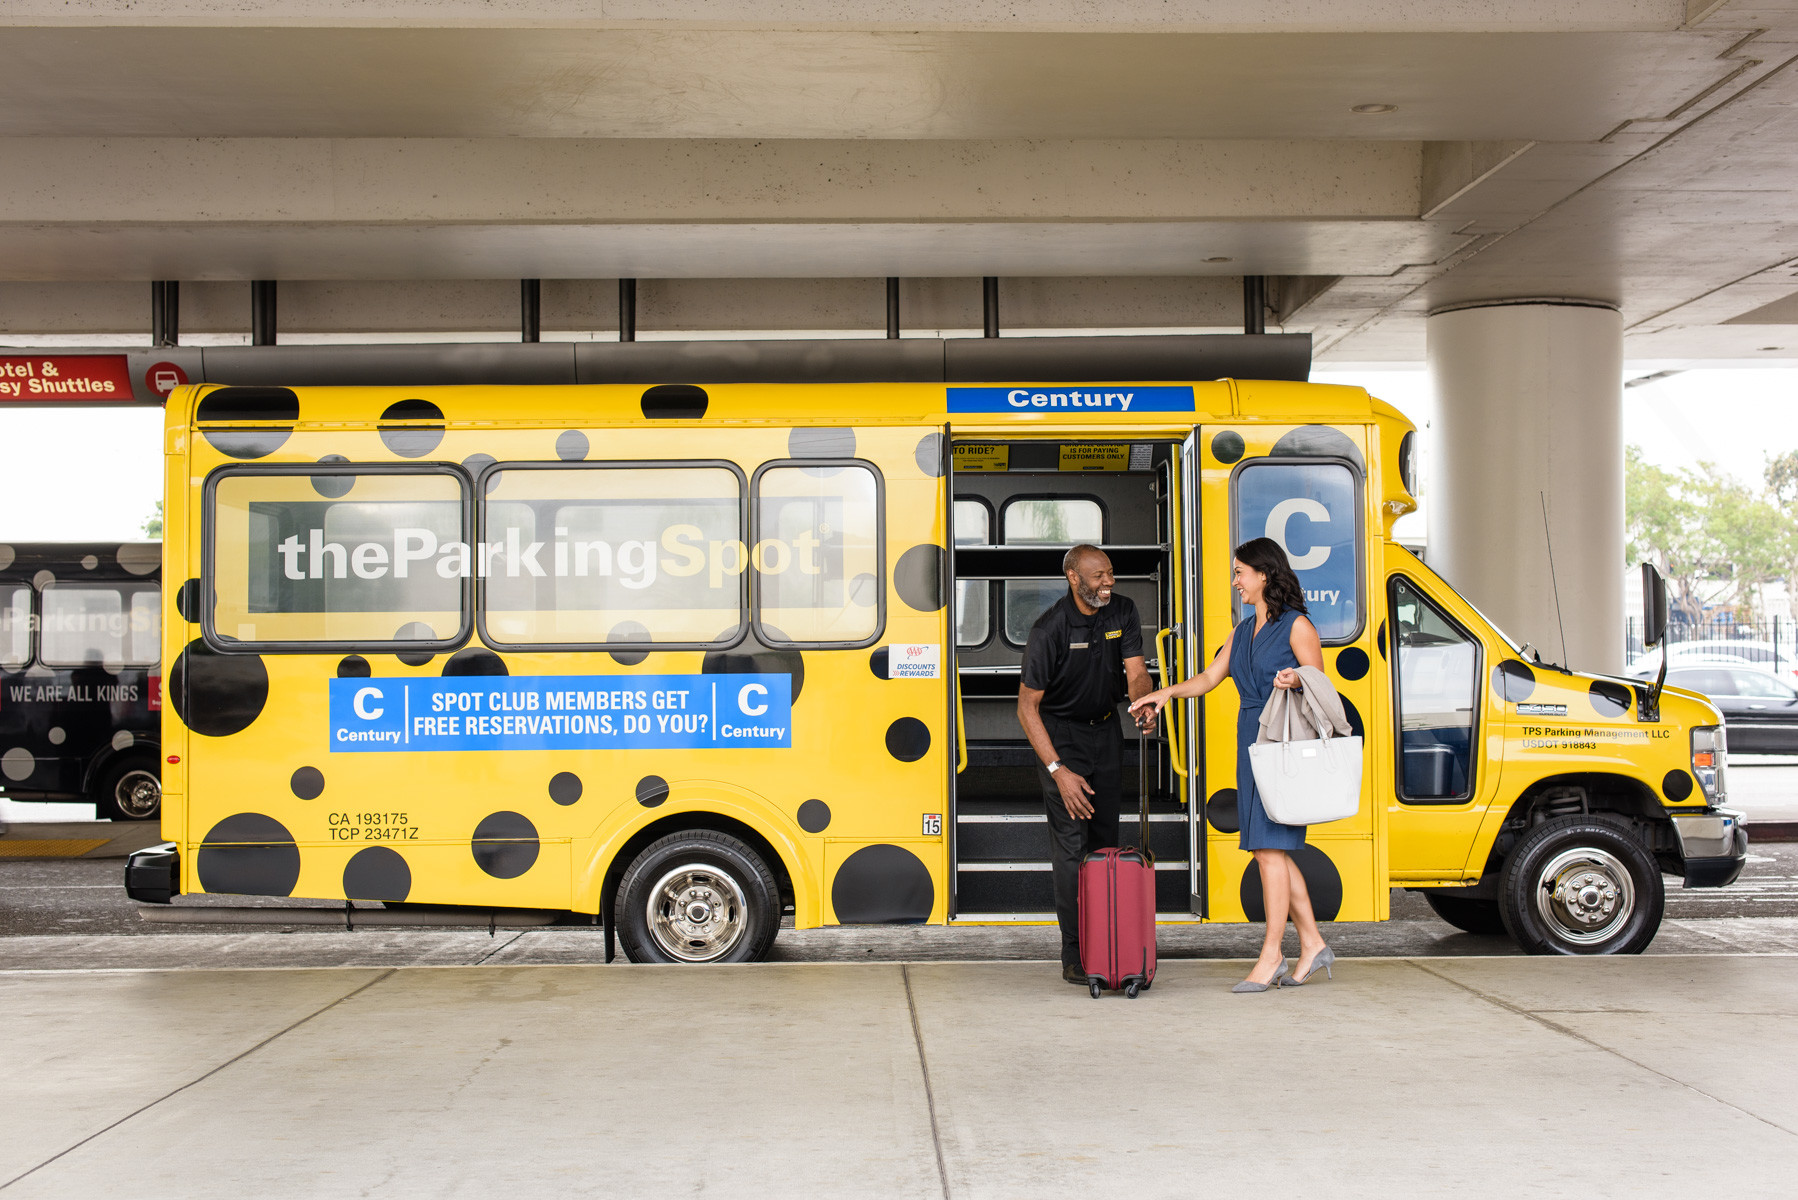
[{"x": 1402, "y": 1076}]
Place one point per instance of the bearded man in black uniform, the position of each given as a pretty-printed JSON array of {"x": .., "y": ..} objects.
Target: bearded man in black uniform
[{"x": 1084, "y": 657}]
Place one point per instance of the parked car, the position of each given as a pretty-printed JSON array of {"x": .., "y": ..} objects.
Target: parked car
[
  {"x": 1762, "y": 656},
  {"x": 1760, "y": 710}
]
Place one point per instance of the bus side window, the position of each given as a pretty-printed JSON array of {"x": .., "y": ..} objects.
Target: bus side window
[
  {"x": 1313, "y": 510},
  {"x": 15, "y": 628},
  {"x": 1437, "y": 690},
  {"x": 144, "y": 646},
  {"x": 1053, "y": 521},
  {"x": 973, "y": 612},
  {"x": 973, "y": 523},
  {"x": 817, "y": 555}
]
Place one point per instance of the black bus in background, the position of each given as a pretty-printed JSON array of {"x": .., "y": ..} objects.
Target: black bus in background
[{"x": 80, "y": 680}]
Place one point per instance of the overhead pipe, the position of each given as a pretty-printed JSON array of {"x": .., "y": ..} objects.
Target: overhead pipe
[
  {"x": 1254, "y": 304},
  {"x": 989, "y": 288},
  {"x": 165, "y": 313},
  {"x": 530, "y": 310},
  {"x": 262, "y": 312},
  {"x": 892, "y": 306},
  {"x": 627, "y": 310}
]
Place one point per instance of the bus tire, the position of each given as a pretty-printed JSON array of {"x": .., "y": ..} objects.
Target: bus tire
[
  {"x": 1581, "y": 885},
  {"x": 697, "y": 896},
  {"x": 129, "y": 790},
  {"x": 1469, "y": 916}
]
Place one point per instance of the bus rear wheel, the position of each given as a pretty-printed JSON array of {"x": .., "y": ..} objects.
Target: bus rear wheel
[
  {"x": 1470, "y": 916},
  {"x": 697, "y": 897},
  {"x": 129, "y": 791},
  {"x": 1582, "y": 885}
]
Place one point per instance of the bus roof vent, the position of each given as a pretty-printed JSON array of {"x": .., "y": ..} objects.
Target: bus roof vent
[
  {"x": 259, "y": 405},
  {"x": 675, "y": 402}
]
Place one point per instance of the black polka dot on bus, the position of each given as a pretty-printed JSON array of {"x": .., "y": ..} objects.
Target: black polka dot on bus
[
  {"x": 565, "y": 787},
  {"x": 1379, "y": 640},
  {"x": 652, "y": 790},
  {"x": 377, "y": 873},
  {"x": 411, "y": 440},
  {"x": 353, "y": 666},
  {"x": 1353, "y": 714},
  {"x": 215, "y": 694},
  {"x": 1352, "y": 664},
  {"x": 1513, "y": 681},
  {"x": 474, "y": 464},
  {"x": 505, "y": 844},
  {"x": 814, "y": 816},
  {"x": 908, "y": 739},
  {"x": 821, "y": 443},
  {"x": 1227, "y": 447},
  {"x": 1318, "y": 441},
  {"x": 139, "y": 558},
  {"x": 475, "y": 660},
  {"x": 249, "y": 854},
  {"x": 572, "y": 446},
  {"x": 751, "y": 657},
  {"x": 882, "y": 885},
  {"x": 333, "y": 487},
  {"x": 929, "y": 455},
  {"x": 263, "y": 417},
  {"x": 1609, "y": 699},
  {"x": 628, "y": 631},
  {"x": 1322, "y": 880},
  {"x": 187, "y": 601},
  {"x": 918, "y": 577},
  {"x": 1676, "y": 785},
  {"x": 877, "y": 662},
  {"x": 308, "y": 783},
  {"x": 1221, "y": 811},
  {"x": 414, "y": 631}
]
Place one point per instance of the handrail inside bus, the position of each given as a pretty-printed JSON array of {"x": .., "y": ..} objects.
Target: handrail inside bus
[
  {"x": 961, "y": 732},
  {"x": 1172, "y": 724}
]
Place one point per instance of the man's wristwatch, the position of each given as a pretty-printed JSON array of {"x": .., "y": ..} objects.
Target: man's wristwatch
[{"x": 1054, "y": 766}]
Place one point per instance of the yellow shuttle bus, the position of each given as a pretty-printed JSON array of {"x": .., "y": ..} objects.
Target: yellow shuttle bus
[{"x": 677, "y": 660}]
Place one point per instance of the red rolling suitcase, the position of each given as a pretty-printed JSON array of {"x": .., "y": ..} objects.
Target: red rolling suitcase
[{"x": 1117, "y": 919}]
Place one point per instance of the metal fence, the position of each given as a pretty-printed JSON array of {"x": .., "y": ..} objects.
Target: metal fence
[{"x": 1773, "y": 641}]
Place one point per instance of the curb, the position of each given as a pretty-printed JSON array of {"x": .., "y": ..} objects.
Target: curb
[{"x": 1772, "y": 831}]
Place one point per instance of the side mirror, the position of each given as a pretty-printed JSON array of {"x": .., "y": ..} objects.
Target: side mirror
[
  {"x": 1654, "y": 633},
  {"x": 1654, "y": 607}
]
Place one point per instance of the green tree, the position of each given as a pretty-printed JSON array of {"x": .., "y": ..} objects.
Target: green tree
[
  {"x": 153, "y": 524},
  {"x": 1662, "y": 526},
  {"x": 1782, "y": 482}
]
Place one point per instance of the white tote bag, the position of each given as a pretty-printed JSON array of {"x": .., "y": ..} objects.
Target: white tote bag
[{"x": 1308, "y": 782}]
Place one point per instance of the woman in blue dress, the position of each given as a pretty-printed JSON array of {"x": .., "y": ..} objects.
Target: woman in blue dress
[{"x": 1263, "y": 654}]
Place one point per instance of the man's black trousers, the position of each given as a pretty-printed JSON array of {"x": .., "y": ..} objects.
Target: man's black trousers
[{"x": 1095, "y": 752}]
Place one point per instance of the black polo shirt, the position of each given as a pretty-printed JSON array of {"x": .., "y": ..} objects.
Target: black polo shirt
[{"x": 1077, "y": 661}]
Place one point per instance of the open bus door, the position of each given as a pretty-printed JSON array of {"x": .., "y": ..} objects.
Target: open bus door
[{"x": 1306, "y": 488}]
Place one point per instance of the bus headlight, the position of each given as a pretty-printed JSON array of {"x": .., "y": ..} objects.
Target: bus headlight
[{"x": 1709, "y": 749}]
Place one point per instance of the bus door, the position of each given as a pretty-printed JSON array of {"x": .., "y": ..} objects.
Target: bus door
[
  {"x": 1016, "y": 506},
  {"x": 1306, "y": 488}
]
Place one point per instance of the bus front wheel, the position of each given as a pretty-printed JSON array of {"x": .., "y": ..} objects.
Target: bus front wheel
[
  {"x": 697, "y": 897},
  {"x": 129, "y": 790},
  {"x": 1582, "y": 885}
]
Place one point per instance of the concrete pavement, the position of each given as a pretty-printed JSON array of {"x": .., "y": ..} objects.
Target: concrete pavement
[{"x": 1652, "y": 1076}]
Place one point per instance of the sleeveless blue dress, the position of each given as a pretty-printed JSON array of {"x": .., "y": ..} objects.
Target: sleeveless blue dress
[{"x": 1254, "y": 661}]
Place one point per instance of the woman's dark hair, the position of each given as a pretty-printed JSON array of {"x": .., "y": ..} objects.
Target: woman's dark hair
[{"x": 1283, "y": 591}]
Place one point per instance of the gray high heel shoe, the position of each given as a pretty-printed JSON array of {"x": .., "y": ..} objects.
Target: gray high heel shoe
[
  {"x": 1326, "y": 958},
  {"x": 1281, "y": 973}
]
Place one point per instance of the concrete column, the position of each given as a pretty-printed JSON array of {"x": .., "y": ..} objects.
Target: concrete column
[{"x": 1529, "y": 408}]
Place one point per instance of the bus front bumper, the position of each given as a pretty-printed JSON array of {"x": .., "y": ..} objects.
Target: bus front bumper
[
  {"x": 1713, "y": 845},
  {"x": 153, "y": 874}
]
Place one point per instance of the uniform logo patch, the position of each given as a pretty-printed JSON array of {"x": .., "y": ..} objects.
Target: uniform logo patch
[{"x": 1115, "y": 633}]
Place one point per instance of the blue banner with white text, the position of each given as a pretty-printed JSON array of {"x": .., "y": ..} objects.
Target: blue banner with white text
[
  {"x": 562, "y": 712},
  {"x": 1082, "y": 398}
]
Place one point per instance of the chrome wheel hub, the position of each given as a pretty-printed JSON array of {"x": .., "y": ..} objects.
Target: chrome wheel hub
[
  {"x": 1585, "y": 895},
  {"x": 697, "y": 913},
  {"x": 138, "y": 794}
]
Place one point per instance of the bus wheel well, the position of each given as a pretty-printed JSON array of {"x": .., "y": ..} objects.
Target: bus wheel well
[
  {"x": 1585, "y": 794},
  {"x": 676, "y": 823}
]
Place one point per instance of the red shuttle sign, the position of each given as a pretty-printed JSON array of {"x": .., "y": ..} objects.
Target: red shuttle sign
[{"x": 38, "y": 378}]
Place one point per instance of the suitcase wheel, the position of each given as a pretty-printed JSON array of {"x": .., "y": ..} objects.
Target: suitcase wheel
[
  {"x": 1131, "y": 988},
  {"x": 1093, "y": 987}
]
